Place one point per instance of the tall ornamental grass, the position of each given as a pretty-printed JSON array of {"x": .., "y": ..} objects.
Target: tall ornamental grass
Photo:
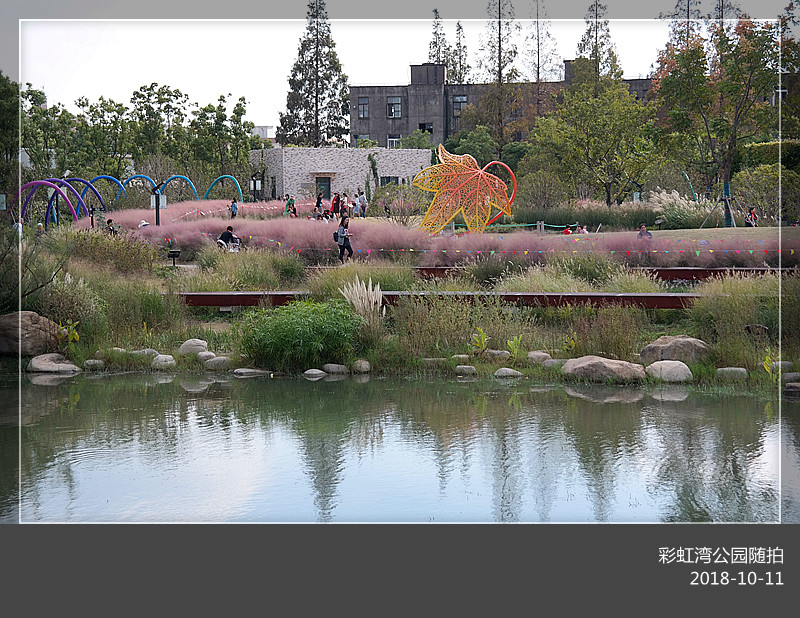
[
  {"x": 324, "y": 283},
  {"x": 727, "y": 308},
  {"x": 298, "y": 336},
  {"x": 258, "y": 269}
]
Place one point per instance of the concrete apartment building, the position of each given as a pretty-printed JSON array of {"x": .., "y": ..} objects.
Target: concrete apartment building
[{"x": 386, "y": 114}]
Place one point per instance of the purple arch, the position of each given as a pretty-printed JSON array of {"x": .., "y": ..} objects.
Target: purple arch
[
  {"x": 75, "y": 193},
  {"x": 37, "y": 184}
]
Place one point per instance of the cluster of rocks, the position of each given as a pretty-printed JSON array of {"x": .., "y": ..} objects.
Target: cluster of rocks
[
  {"x": 333, "y": 371},
  {"x": 666, "y": 359}
]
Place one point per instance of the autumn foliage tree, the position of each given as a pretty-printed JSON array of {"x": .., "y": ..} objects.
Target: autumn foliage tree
[{"x": 717, "y": 90}]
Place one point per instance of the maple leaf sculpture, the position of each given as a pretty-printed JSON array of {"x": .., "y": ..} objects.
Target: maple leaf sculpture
[{"x": 461, "y": 186}]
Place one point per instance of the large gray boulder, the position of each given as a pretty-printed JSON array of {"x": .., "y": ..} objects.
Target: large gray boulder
[
  {"x": 193, "y": 346},
  {"x": 218, "y": 363},
  {"x": 498, "y": 354},
  {"x": 27, "y": 332},
  {"x": 335, "y": 368},
  {"x": 52, "y": 362},
  {"x": 163, "y": 361},
  {"x": 537, "y": 357},
  {"x": 735, "y": 374},
  {"x": 599, "y": 369},
  {"x": 248, "y": 372},
  {"x": 669, "y": 371},
  {"x": 466, "y": 370},
  {"x": 507, "y": 372},
  {"x": 674, "y": 347},
  {"x": 362, "y": 366},
  {"x": 314, "y": 374}
]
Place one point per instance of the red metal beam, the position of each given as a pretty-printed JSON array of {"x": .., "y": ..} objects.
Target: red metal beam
[{"x": 535, "y": 299}]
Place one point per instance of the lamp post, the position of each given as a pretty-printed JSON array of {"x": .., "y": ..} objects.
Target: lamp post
[
  {"x": 255, "y": 184},
  {"x": 157, "y": 194}
]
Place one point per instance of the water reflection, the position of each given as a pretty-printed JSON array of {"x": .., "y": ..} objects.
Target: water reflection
[{"x": 217, "y": 448}]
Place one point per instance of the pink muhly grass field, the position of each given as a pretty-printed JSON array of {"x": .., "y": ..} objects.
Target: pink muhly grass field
[{"x": 190, "y": 225}]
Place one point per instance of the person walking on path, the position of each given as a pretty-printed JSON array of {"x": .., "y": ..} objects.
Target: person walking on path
[
  {"x": 362, "y": 204},
  {"x": 344, "y": 239},
  {"x": 234, "y": 208},
  {"x": 335, "y": 204}
]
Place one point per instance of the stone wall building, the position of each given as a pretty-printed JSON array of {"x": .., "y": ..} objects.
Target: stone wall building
[{"x": 303, "y": 172}]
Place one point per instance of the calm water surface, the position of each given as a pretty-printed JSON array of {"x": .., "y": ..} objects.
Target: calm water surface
[{"x": 161, "y": 448}]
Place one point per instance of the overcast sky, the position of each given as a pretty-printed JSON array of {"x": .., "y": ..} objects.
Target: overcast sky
[
  {"x": 203, "y": 59},
  {"x": 253, "y": 58}
]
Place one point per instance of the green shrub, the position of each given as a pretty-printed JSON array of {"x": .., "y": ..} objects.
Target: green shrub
[
  {"x": 298, "y": 336},
  {"x": 758, "y": 187},
  {"x": 68, "y": 299},
  {"x": 540, "y": 190}
]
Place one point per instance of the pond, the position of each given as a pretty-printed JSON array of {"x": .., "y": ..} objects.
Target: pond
[{"x": 200, "y": 448}]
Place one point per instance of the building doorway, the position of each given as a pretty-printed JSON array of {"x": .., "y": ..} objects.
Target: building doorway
[{"x": 324, "y": 187}]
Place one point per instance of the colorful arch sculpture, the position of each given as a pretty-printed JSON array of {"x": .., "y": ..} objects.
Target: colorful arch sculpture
[
  {"x": 171, "y": 178},
  {"x": 126, "y": 181},
  {"x": 103, "y": 176},
  {"x": 62, "y": 181},
  {"x": 42, "y": 183},
  {"x": 460, "y": 186},
  {"x": 88, "y": 186},
  {"x": 236, "y": 182}
]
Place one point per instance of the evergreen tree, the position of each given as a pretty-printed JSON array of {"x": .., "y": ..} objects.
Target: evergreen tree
[
  {"x": 438, "y": 49},
  {"x": 542, "y": 57},
  {"x": 458, "y": 68},
  {"x": 317, "y": 105},
  {"x": 596, "y": 45},
  {"x": 684, "y": 21},
  {"x": 497, "y": 62}
]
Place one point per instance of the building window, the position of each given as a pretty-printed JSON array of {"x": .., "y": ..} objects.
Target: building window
[
  {"x": 389, "y": 180},
  {"x": 363, "y": 107},
  {"x": 426, "y": 126},
  {"x": 459, "y": 103},
  {"x": 358, "y": 138},
  {"x": 393, "y": 109},
  {"x": 393, "y": 141}
]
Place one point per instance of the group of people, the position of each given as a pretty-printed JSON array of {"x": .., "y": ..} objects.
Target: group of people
[
  {"x": 340, "y": 204},
  {"x": 579, "y": 229}
]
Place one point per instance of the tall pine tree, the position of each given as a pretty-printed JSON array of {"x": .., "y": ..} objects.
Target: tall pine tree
[
  {"x": 596, "y": 45},
  {"x": 499, "y": 55},
  {"x": 317, "y": 104},
  {"x": 458, "y": 68},
  {"x": 438, "y": 48}
]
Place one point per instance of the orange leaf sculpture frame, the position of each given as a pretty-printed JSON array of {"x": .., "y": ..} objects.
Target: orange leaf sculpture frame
[{"x": 460, "y": 186}]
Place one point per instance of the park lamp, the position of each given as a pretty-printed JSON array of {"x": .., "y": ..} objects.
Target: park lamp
[{"x": 156, "y": 191}]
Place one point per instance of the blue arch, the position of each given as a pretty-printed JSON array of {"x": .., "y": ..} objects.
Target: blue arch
[
  {"x": 236, "y": 182},
  {"x": 43, "y": 183},
  {"x": 111, "y": 178},
  {"x": 125, "y": 182},
  {"x": 171, "y": 178}
]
